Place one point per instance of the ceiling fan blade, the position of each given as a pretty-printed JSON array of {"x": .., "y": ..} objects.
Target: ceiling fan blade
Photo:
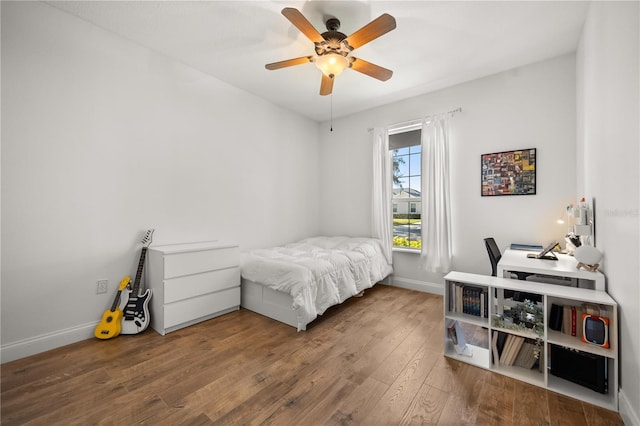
[
  {"x": 302, "y": 24},
  {"x": 326, "y": 85},
  {"x": 372, "y": 70},
  {"x": 289, "y": 63},
  {"x": 374, "y": 29}
]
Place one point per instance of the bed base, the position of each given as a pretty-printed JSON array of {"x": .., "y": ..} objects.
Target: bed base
[{"x": 268, "y": 302}]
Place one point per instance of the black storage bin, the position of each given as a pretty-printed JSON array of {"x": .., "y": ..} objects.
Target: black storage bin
[{"x": 583, "y": 368}]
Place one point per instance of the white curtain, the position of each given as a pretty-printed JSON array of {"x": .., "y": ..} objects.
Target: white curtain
[
  {"x": 381, "y": 216},
  {"x": 436, "y": 201}
]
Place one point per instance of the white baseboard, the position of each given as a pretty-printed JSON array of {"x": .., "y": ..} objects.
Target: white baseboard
[
  {"x": 45, "y": 342},
  {"x": 410, "y": 284},
  {"x": 627, "y": 410}
]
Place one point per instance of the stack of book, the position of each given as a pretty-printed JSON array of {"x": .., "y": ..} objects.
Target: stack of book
[
  {"x": 511, "y": 350},
  {"x": 468, "y": 299}
]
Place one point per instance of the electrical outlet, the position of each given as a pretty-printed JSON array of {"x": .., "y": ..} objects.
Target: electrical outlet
[{"x": 102, "y": 286}]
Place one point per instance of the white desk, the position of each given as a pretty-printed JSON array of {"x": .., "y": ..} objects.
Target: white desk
[{"x": 565, "y": 266}]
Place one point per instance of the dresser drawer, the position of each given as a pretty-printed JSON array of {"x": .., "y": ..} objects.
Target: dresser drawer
[
  {"x": 195, "y": 262},
  {"x": 187, "y": 310},
  {"x": 188, "y": 286}
]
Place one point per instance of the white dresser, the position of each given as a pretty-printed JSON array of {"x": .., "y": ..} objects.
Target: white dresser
[{"x": 192, "y": 282}]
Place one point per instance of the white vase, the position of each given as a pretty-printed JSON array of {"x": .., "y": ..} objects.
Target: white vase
[{"x": 588, "y": 255}]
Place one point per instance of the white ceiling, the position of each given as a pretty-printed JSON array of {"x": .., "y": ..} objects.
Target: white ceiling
[{"x": 436, "y": 43}]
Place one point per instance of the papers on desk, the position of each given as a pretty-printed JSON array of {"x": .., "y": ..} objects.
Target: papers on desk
[{"x": 526, "y": 247}]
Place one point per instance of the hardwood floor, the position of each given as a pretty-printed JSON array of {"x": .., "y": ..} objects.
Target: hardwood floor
[{"x": 375, "y": 360}]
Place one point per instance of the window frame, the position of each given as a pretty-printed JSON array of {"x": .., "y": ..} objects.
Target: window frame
[{"x": 410, "y": 201}]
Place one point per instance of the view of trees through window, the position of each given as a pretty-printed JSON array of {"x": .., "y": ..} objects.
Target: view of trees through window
[{"x": 407, "y": 202}]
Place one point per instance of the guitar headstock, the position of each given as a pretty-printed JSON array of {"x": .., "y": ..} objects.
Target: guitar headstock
[
  {"x": 125, "y": 282},
  {"x": 148, "y": 237}
]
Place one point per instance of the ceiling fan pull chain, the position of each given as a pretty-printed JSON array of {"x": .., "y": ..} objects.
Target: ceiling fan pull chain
[{"x": 331, "y": 111}]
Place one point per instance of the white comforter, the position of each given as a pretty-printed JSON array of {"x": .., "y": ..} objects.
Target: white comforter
[{"x": 318, "y": 272}]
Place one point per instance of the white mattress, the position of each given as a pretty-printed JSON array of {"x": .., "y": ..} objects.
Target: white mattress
[{"x": 317, "y": 272}]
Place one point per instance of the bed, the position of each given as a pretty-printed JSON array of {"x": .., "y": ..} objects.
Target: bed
[{"x": 297, "y": 282}]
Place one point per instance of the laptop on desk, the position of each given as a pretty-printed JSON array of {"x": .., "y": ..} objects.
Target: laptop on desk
[{"x": 546, "y": 252}]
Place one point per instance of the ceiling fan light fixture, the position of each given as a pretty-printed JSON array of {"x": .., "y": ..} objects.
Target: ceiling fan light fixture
[
  {"x": 332, "y": 48},
  {"x": 331, "y": 64}
]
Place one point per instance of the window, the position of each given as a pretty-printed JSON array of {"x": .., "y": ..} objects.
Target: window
[{"x": 407, "y": 202}]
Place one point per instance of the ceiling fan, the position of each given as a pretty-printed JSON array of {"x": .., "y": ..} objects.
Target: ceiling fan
[{"x": 333, "y": 47}]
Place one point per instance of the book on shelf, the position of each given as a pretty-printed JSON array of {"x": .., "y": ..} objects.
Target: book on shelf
[
  {"x": 468, "y": 299},
  {"x": 502, "y": 337},
  {"x": 451, "y": 331},
  {"x": 471, "y": 300},
  {"x": 452, "y": 297},
  {"x": 555, "y": 317},
  {"x": 532, "y": 358},
  {"x": 457, "y": 338},
  {"x": 508, "y": 344},
  {"x": 494, "y": 347},
  {"x": 498, "y": 341},
  {"x": 526, "y": 357},
  {"x": 566, "y": 319},
  {"x": 512, "y": 350},
  {"x": 595, "y": 309},
  {"x": 515, "y": 349},
  {"x": 458, "y": 297},
  {"x": 485, "y": 303},
  {"x": 518, "y": 348},
  {"x": 457, "y": 291},
  {"x": 522, "y": 355},
  {"x": 572, "y": 320}
]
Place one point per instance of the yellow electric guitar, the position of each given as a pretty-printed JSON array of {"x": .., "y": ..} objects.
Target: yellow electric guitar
[{"x": 109, "y": 326}]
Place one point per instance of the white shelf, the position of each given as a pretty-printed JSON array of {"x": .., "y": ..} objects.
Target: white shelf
[
  {"x": 565, "y": 387},
  {"x": 469, "y": 319},
  {"x": 573, "y": 342},
  {"x": 551, "y": 294},
  {"x": 551, "y": 290},
  {"x": 481, "y": 357},
  {"x": 533, "y": 376},
  {"x": 525, "y": 334}
]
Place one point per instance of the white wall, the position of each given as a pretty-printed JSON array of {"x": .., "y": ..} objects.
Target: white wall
[
  {"x": 608, "y": 138},
  {"x": 102, "y": 139},
  {"x": 528, "y": 107}
]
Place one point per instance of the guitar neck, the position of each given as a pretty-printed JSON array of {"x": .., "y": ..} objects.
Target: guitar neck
[
  {"x": 136, "y": 283},
  {"x": 116, "y": 301},
  {"x": 125, "y": 281}
]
